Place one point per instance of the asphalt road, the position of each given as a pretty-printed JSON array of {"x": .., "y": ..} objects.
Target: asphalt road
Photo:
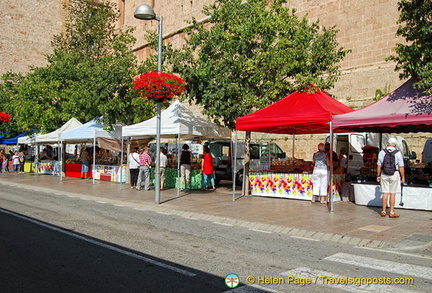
[{"x": 56, "y": 243}]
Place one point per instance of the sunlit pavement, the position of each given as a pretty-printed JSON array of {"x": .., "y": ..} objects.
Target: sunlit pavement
[{"x": 349, "y": 223}]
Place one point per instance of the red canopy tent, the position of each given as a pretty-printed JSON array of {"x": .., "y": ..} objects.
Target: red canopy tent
[
  {"x": 298, "y": 113},
  {"x": 406, "y": 109}
]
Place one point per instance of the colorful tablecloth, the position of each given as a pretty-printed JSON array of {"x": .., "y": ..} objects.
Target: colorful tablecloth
[{"x": 286, "y": 185}]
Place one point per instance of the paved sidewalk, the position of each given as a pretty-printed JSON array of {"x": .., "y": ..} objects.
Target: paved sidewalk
[{"x": 349, "y": 223}]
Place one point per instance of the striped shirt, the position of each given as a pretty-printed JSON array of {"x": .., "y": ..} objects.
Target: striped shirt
[{"x": 145, "y": 159}]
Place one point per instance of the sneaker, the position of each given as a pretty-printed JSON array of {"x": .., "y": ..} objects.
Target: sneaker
[
  {"x": 394, "y": 215},
  {"x": 383, "y": 214}
]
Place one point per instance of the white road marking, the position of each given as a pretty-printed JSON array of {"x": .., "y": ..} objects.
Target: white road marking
[
  {"x": 324, "y": 278},
  {"x": 223, "y": 224},
  {"x": 382, "y": 265},
  {"x": 305, "y": 238},
  {"x": 262, "y": 231},
  {"x": 104, "y": 245}
]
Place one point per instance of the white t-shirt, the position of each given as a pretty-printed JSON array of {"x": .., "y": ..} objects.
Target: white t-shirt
[{"x": 133, "y": 160}]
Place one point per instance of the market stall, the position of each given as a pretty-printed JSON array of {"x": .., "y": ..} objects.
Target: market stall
[
  {"x": 406, "y": 109},
  {"x": 52, "y": 138},
  {"x": 178, "y": 122},
  {"x": 89, "y": 133},
  {"x": 298, "y": 113}
]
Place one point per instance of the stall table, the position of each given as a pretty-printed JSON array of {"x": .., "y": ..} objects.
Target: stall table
[
  {"x": 287, "y": 185},
  {"x": 413, "y": 197}
]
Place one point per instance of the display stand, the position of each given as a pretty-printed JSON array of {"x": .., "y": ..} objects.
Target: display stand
[{"x": 46, "y": 167}]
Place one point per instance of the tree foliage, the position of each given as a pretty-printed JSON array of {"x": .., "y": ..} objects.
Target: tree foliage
[
  {"x": 414, "y": 59},
  {"x": 88, "y": 75},
  {"x": 252, "y": 53}
]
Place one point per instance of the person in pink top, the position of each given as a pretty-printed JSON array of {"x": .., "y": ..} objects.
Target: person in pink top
[
  {"x": 207, "y": 168},
  {"x": 144, "y": 169}
]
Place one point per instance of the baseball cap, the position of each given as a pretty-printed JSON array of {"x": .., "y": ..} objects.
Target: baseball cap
[{"x": 392, "y": 141}]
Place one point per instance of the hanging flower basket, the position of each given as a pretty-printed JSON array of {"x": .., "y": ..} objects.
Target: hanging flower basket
[
  {"x": 158, "y": 86},
  {"x": 4, "y": 117}
]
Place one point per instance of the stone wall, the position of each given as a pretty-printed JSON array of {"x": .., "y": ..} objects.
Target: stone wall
[
  {"x": 366, "y": 27},
  {"x": 27, "y": 28}
]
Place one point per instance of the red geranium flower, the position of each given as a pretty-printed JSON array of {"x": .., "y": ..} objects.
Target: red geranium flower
[
  {"x": 4, "y": 117},
  {"x": 158, "y": 86}
]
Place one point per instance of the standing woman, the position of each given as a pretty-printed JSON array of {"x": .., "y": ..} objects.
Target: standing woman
[
  {"x": 85, "y": 161},
  {"x": 207, "y": 168},
  {"x": 16, "y": 162},
  {"x": 185, "y": 166},
  {"x": 320, "y": 174},
  {"x": 134, "y": 164},
  {"x": 163, "y": 163}
]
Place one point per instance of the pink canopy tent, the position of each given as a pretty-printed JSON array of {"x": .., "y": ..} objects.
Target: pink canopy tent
[
  {"x": 406, "y": 109},
  {"x": 298, "y": 113}
]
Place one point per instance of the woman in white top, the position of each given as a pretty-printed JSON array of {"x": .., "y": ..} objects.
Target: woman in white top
[
  {"x": 320, "y": 174},
  {"x": 134, "y": 164}
]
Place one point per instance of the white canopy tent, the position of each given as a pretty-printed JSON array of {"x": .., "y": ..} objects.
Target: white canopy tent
[
  {"x": 52, "y": 137},
  {"x": 89, "y": 132},
  {"x": 177, "y": 121}
]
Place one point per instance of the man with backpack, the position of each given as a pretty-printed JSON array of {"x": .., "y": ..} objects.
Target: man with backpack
[{"x": 390, "y": 174}]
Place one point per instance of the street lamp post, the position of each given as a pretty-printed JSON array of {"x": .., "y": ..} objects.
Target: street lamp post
[{"x": 146, "y": 12}]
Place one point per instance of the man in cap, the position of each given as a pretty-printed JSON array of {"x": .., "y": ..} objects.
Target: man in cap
[{"x": 390, "y": 184}]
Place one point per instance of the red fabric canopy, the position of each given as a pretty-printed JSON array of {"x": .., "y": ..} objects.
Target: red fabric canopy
[
  {"x": 404, "y": 110},
  {"x": 298, "y": 113}
]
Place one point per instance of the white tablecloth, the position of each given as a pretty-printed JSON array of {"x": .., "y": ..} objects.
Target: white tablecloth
[{"x": 418, "y": 198}]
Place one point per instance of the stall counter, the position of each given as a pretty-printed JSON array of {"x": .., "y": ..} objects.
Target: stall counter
[
  {"x": 74, "y": 170},
  {"x": 417, "y": 198},
  {"x": 287, "y": 185}
]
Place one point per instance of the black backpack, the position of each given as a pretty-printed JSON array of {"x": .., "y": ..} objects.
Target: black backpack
[{"x": 389, "y": 162}]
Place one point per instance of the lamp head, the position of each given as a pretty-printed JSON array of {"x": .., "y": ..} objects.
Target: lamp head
[{"x": 144, "y": 12}]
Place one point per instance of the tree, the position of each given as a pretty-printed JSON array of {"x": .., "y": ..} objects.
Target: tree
[
  {"x": 88, "y": 75},
  {"x": 414, "y": 59},
  {"x": 252, "y": 53}
]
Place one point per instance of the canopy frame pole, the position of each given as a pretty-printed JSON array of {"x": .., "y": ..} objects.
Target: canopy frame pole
[
  {"x": 94, "y": 157},
  {"x": 178, "y": 164},
  {"x": 121, "y": 161},
  {"x": 233, "y": 164},
  {"x": 293, "y": 143},
  {"x": 331, "y": 201}
]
